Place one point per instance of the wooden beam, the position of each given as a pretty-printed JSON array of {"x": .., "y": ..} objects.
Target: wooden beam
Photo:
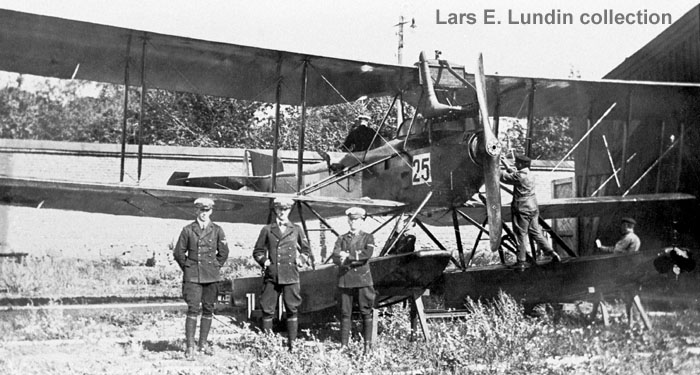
[{"x": 418, "y": 316}]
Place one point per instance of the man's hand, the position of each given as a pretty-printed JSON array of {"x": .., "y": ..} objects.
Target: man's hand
[
  {"x": 343, "y": 255},
  {"x": 267, "y": 263}
]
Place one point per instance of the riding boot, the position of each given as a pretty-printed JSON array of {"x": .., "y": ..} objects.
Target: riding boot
[
  {"x": 367, "y": 325},
  {"x": 292, "y": 326},
  {"x": 267, "y": 325},
  {"x": 190, "y": 329},
  {"x": 204, "y": 326},
  {"x": 345, "y": 327}
]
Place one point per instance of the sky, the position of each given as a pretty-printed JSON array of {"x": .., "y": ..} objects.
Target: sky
[{"x": 366, "y": 30}]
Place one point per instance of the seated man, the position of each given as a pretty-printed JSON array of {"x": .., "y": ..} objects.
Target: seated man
[
  {"x": 628, "y": 243},
  {"x": 360, "y": 137}
]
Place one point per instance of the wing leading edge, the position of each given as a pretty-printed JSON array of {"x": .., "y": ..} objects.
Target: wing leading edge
[{"x": 172, "y": 202}]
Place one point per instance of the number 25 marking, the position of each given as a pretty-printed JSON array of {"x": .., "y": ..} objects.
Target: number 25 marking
[{"x": 421, "y": 169}]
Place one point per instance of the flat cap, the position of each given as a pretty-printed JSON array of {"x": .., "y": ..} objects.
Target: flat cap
[
  {"x": 629, "y": 220},
  {"x": 355, "y": 212},
  {"x": 363, "y": 117},
  {"x": 283, "y": 202},
  {"x": 204, "y": 202}
]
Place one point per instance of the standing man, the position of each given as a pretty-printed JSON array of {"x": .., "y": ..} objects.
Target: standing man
[
  {"x": 200, "y": 252},
  {"x": 351, "y": 253},
  {"x": 629, "y": 242},
  {"x": 281, "y": 249},
  {"x": 525, "y": 211},
  {"x": 360, "y": 137}
]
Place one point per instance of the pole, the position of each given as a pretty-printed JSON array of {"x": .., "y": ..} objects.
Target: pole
[
  {"x": 126, "y": 107},
  {"x": 302, "y": 127},
  {"x": 399, "y": 53}
]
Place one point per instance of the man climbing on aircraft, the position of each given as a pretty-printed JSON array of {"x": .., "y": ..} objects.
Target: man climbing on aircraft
[
  {"x": 525, "y": 211},
  {"x": 351, "y": 253},
  {"x": 360, "y": 137},
  {"x": 281, "y": 249},
  {"x": 628, "y": 243},
  {"x": 200, "y": 252}
]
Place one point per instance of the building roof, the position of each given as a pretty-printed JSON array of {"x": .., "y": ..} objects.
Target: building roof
[{"x": 670, "y": 57}]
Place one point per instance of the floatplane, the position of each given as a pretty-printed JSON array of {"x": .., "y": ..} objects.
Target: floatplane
[{"x": 431, "y": 171}]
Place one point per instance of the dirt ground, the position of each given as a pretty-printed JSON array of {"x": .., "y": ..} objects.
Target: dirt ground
[{"x": 154, "y": 347}]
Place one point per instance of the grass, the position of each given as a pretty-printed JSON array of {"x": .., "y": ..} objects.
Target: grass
[
  {"x": 495, "y": 338},
  {"x": 50, "y": 276}
]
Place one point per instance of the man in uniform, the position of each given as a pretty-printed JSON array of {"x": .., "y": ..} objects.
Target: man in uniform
[
  {"x": 360, "y": 137},
  {"x": 201, "y": 250},
  {"x": 628, "y": 243},
  {"x": 351, "y": 253},
  {"x": 281, "y": 249},
  {"x": 525, "y": 211}
]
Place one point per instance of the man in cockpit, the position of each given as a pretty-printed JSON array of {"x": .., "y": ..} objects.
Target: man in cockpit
[
  {"x": 628, "y": 243},
  {"x": 360, "y": 137}
]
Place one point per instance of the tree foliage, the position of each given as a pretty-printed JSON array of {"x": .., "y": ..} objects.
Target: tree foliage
[{"x": 62, "y": 112}]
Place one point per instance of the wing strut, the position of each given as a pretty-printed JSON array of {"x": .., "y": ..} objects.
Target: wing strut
[
  {"x": 407, "y": 224},
  {"x": 302, "y": 126},
  {"x": 126, "y": 107},
  {"x": 143, "y": 101}
]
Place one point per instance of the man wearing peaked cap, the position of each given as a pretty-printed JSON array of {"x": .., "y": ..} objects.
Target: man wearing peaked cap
[
  {"x": 629, "y": 242},
  {"x": 525, "y": 211},
  {"x": 360, "y": 136},
  {"x": 351, "y": 253},
  {"x": 283, "y": 202},
  {"x": 204, "y": 202},
  {"x": 356, "y": 213},
  {"x": 281, "y": 249},
  {"x": 201, "y": 251}
]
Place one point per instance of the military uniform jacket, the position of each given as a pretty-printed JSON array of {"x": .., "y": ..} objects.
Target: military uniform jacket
[
  {"x": 282, "y": 250},
  {"x": 354, "y": 272},
  {"x": 201, "y": 252},
  {"x": 524, "y": 199}
]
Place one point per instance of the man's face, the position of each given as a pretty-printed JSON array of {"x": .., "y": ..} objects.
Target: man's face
[
  {"x": 354, "y": 223},
  {"x": 282, "y": 213},
  {"x": 203, "y": 213},
  {"x": 626, "y": 228}
]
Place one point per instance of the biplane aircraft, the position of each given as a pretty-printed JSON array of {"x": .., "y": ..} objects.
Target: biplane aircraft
[{"x": 431, "y": 170}]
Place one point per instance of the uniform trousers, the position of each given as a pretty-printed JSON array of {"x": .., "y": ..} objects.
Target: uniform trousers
[
  {"x": 291, "y": 297},
  {"x": 200, "y": 298}
]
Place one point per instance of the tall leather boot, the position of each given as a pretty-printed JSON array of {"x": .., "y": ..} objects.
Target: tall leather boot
[
  {"x": 345, "y": 327},
  {"x": 267, "y": 325},
  {"x": 190, "y": 329},
  {"x": 368, "y": 322},
  {"x": 292, "y": 327},
  {"x": 204, "y": 326}
]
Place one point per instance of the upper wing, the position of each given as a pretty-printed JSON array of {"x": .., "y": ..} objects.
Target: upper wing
[
  {"x": 509, "y": 96},
  {"x": 167, "y": 202},
  {"x": 61, "y": 48}
]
